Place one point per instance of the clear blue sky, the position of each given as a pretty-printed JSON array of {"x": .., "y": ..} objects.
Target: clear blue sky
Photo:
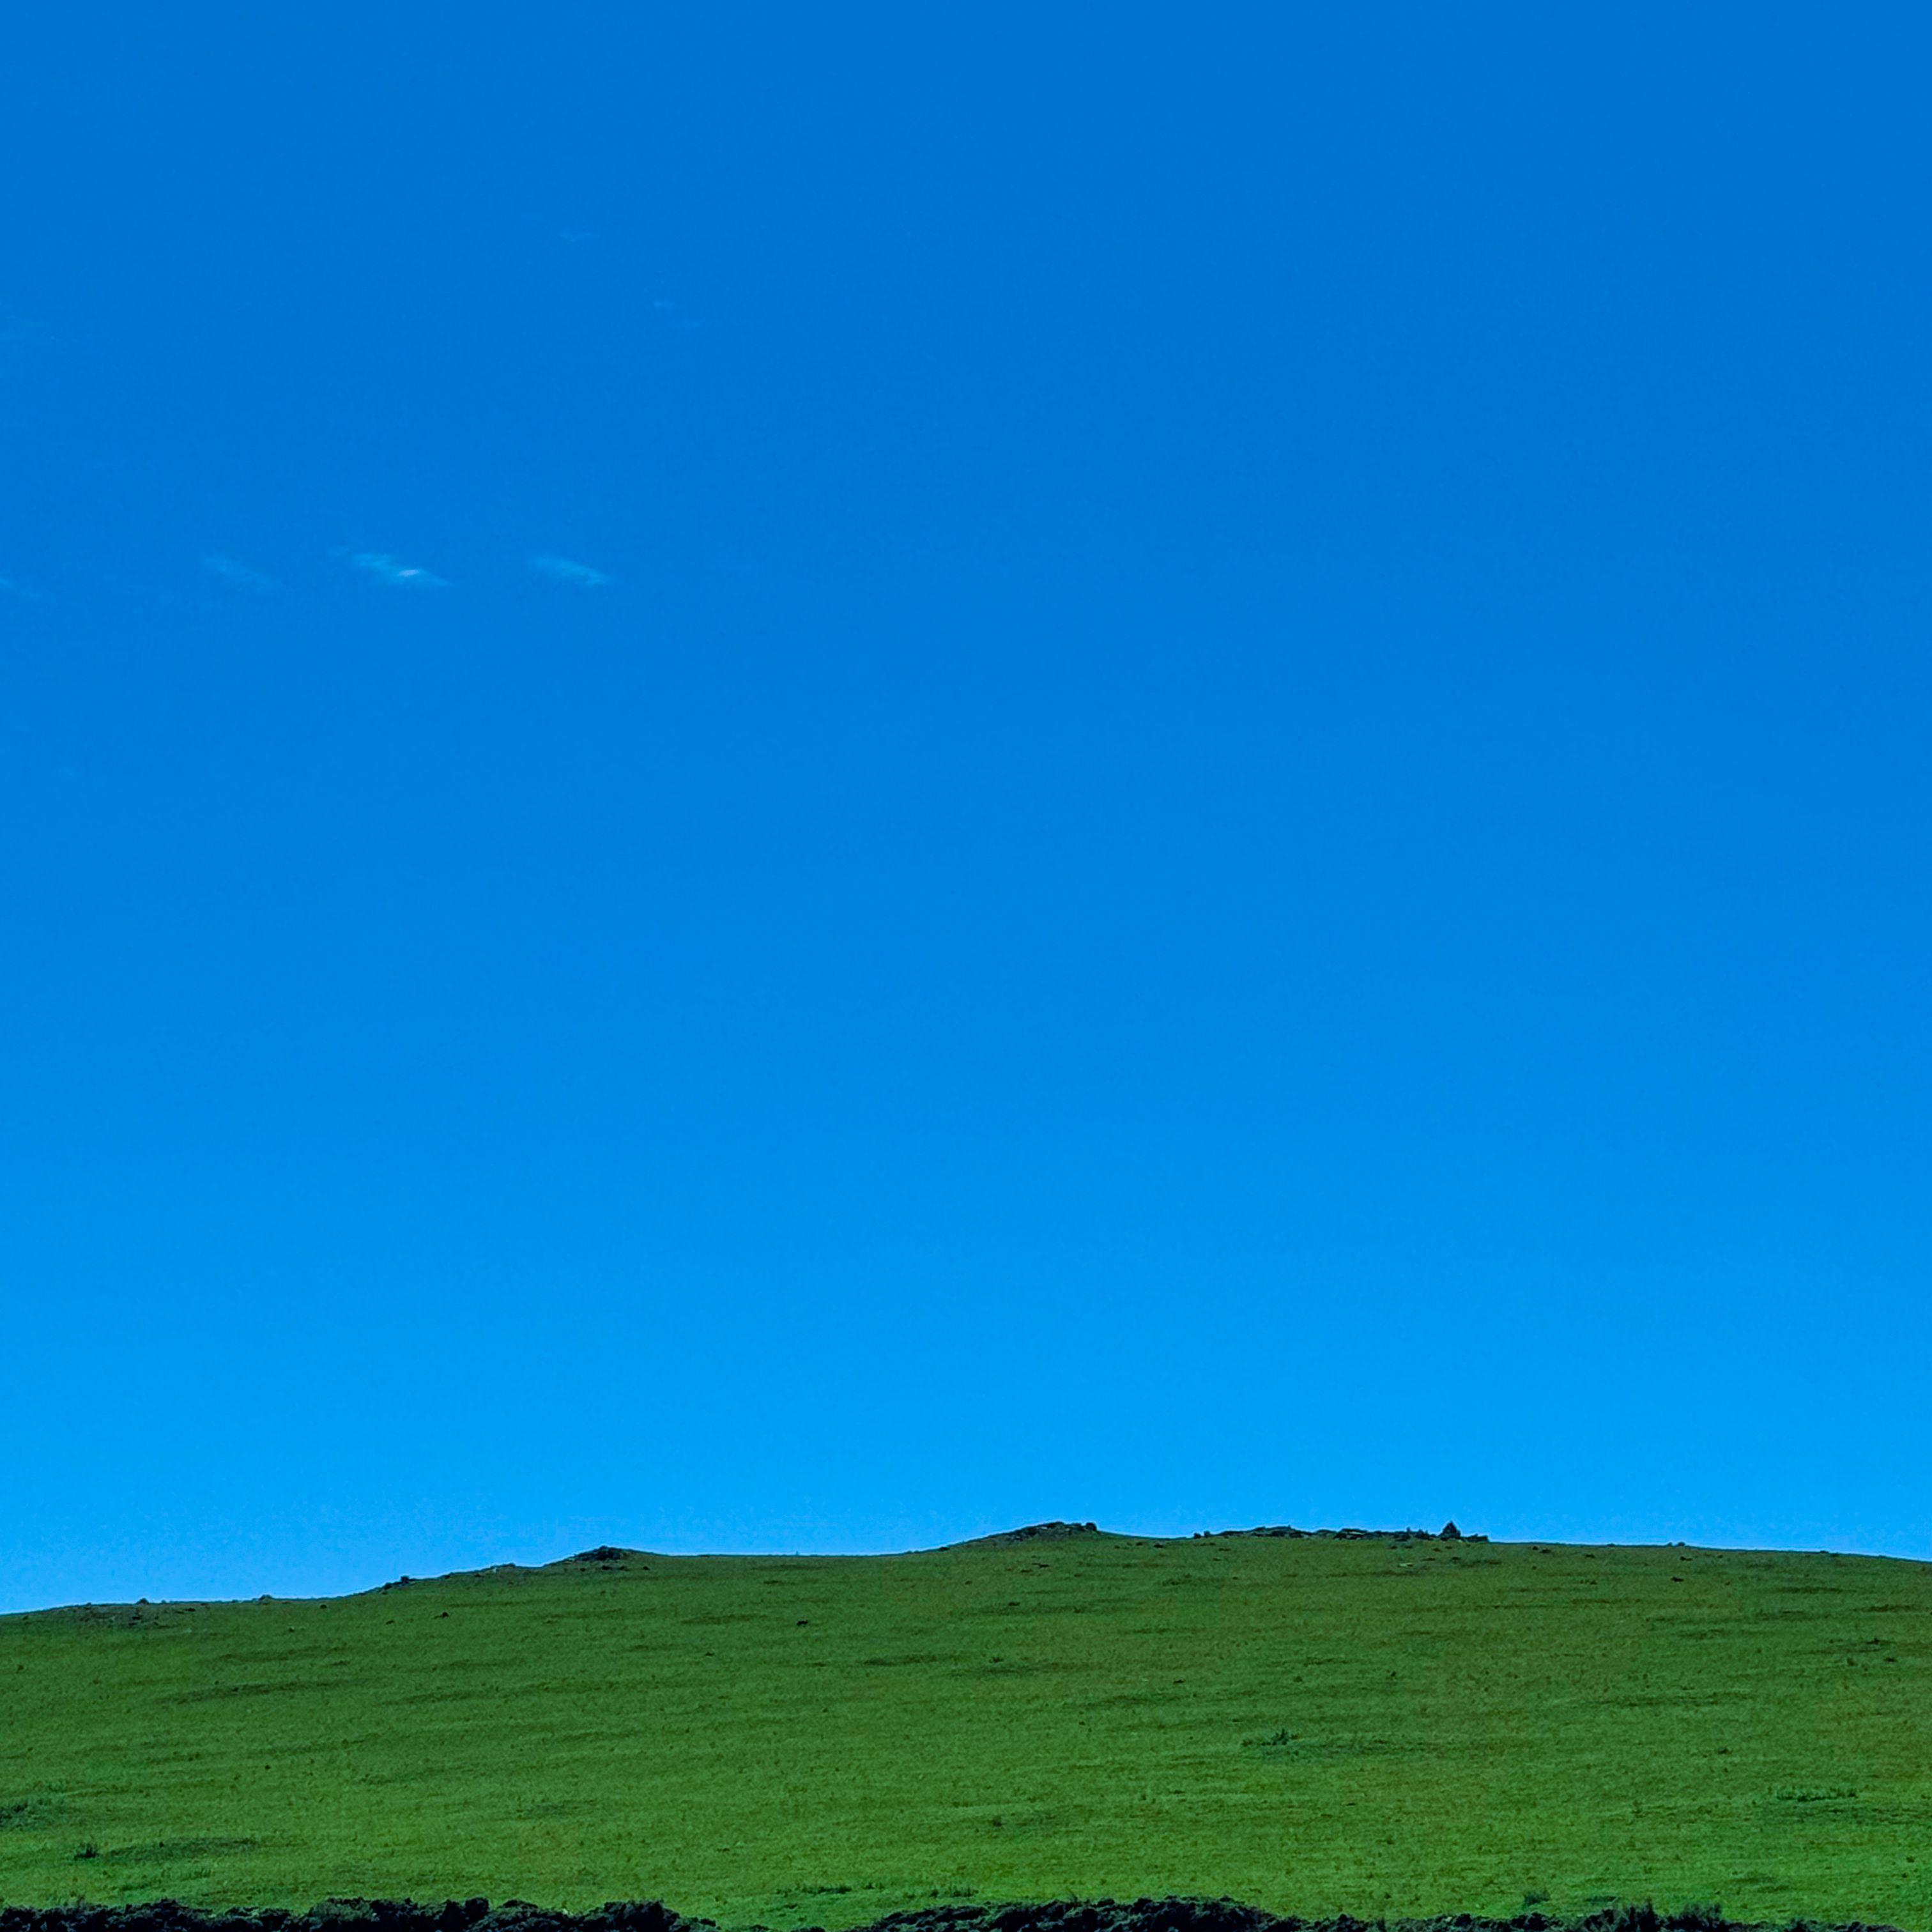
[{"x": 1241, "y": 834}]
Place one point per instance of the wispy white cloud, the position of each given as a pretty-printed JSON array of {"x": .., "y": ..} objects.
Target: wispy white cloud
[
  {"x": 567, "y": 571},
  {"x": 11, "y": 586},
  {"x": 400, "y": 576},
  {"x": 229, "y": 572}
]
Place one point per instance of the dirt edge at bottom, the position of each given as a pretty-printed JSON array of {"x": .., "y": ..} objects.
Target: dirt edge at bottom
[{"x": 1106, "y": 1914}]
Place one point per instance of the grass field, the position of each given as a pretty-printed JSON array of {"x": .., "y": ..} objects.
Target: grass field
[{"x": 1312, "y": 1726}]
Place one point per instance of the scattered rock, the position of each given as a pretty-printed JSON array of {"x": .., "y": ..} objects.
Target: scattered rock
[{"x": 1448, "y": 1533}]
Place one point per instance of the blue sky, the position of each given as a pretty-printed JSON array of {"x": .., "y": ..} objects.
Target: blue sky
[{"x": 780, "y": 777}]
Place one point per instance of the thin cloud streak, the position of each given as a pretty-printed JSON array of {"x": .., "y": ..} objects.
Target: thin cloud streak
[
  {"x": 229, "y": 572},
  {"x": 566, "y": 570},
  {"x": 400, "y": 576}
]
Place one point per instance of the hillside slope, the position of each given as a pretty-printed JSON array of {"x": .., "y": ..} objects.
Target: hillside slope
[{"x": 1371, "y": 1725}]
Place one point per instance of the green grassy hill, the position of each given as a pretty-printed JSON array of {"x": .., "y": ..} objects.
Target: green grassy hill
[{"x": 1315, "y": 1726}]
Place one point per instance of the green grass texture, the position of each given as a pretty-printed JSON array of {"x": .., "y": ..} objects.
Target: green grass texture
[{"x": 1382, "y": 1727}]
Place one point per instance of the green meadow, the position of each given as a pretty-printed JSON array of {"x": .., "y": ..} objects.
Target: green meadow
[{"x": 1380, "y": 1726}]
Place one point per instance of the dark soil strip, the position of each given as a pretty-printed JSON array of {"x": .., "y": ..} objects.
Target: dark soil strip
[{"x": 1144, "y": 1915}]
